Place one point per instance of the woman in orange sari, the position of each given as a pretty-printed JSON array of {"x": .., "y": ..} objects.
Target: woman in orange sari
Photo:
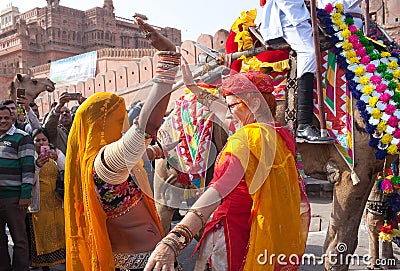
[
  {"x": 111, "y": 221},
  {"x": 258, "y": 199}
]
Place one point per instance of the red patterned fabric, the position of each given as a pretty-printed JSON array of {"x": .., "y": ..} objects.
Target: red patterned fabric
[
  {"x": 234, "y": 210},
  {"x": 246, "y": 83}
]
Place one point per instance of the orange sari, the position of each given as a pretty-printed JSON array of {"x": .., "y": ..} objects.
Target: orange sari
[{"x": 98, "y": 122}]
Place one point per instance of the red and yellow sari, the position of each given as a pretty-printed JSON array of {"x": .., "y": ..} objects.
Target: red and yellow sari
[{"x": 265, "y": 211}]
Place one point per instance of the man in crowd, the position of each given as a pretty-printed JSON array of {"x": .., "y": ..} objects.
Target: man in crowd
[
  {"x": 10, "y": 104},
  {"x": 17, "y": 171},
  {"x": 58, "y": 123}
]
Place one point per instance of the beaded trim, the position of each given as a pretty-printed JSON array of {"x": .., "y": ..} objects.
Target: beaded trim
[
  {"x": 131, "y": 261},
  {"x": 141, "y": 131},
  {"x": 377, "y": 207}
]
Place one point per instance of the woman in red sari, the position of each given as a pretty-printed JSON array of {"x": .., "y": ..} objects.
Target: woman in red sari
[{"x": 261, "y": 210}]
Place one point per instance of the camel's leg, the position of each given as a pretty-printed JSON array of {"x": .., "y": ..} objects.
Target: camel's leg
[
  {"x": 347, "y": 210},
  {"x": 373, "y": 223},
  {"x": 387, "y": 255},
  {"x": 375, "y": 210}
]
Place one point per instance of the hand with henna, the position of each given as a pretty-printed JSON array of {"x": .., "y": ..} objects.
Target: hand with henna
[{"x": 157, "y": 40}]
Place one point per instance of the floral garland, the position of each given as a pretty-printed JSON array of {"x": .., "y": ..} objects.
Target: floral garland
[
  {"x": 241, "y": 28},
  {"x": 388, "y": 231},
  {"x": 373, "y": 79},
  {"x": 389, "y": 184}
]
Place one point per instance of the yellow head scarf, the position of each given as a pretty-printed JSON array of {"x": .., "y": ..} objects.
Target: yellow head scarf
[{"x": 98, "y": 122}]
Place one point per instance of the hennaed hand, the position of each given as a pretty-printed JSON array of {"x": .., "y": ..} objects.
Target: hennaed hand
[
  {"x": 166, "y": 141},
  {"x": 157, "y": 40},
  {"x": 24, "y": 102},
  {"x": 162, "y": 259},
  {"x": 53, "y": 155},
  {"x": 187, "y": 75}
]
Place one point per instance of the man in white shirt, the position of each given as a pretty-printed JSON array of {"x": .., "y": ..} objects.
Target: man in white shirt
[{"x": 290, "y": 20}]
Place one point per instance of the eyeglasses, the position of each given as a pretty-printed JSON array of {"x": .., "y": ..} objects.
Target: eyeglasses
[{"x": 234, "y": 105}]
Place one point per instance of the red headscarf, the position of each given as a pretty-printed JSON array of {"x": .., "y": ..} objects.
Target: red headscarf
[{"x": 246, "y": 83}]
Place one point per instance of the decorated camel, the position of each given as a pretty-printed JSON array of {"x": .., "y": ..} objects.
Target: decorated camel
[
  {"x": 369, "y": 75},
  {"x": 32, "y": 86}
]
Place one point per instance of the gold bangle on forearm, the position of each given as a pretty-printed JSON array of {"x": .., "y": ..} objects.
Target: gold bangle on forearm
[
  {"x": 186, "y": 230},
  {"x": 167, "y": 67},
  {"x": 199, "y": 215}
]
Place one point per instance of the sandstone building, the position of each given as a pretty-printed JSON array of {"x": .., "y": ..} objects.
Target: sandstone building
[
  {"x": 387, "y": 14},
  {"x": 53, "y": 32}
]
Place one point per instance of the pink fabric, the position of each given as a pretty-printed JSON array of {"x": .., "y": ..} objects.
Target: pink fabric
[{"x": 247, "y": 82}]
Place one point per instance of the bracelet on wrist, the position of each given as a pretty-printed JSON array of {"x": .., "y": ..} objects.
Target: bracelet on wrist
[{"x": 199, "y": 215}]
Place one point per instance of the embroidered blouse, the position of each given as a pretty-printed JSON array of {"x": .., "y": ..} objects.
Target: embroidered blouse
[{"x": 117, "y": 199}]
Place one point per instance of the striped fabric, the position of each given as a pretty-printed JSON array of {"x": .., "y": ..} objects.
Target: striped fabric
[{"x": 17, "y": 168}]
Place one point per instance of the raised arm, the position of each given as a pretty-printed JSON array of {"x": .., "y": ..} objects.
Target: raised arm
[
  {"x": 215, "y": 104},
  {"x": 114, "y": 164},
  {"x": 156, "y": 103}
]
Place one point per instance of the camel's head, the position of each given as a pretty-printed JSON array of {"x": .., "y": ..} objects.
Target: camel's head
[{"x": 33, "y": 86}]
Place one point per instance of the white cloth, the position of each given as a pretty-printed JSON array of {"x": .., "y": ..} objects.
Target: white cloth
[
  {"x": 280, "y": 13},
  {"x": 290, "y": 20},
  {"x": 301, "y": 40},
  {"x": 349, "y": 6},
  {"x": 33, "y": 122},
  {"x": 213, "y": 247}
]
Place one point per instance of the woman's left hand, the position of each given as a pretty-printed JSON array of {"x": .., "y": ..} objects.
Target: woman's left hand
[{"x": 161, "y": 259}]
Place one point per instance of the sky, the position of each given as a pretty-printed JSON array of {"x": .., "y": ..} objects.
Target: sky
[{"x": 192, "y": 18}]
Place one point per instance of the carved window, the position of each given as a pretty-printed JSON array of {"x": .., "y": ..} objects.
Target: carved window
[{"x": 64, "y": 35}]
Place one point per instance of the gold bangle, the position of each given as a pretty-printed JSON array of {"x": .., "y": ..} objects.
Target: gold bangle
[
  {"x": 185, "y": 229},
  {"x": 200, "y": 215}
]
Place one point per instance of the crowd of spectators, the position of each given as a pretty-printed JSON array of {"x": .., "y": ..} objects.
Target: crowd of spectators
[{"x": 32, "y": 149}]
